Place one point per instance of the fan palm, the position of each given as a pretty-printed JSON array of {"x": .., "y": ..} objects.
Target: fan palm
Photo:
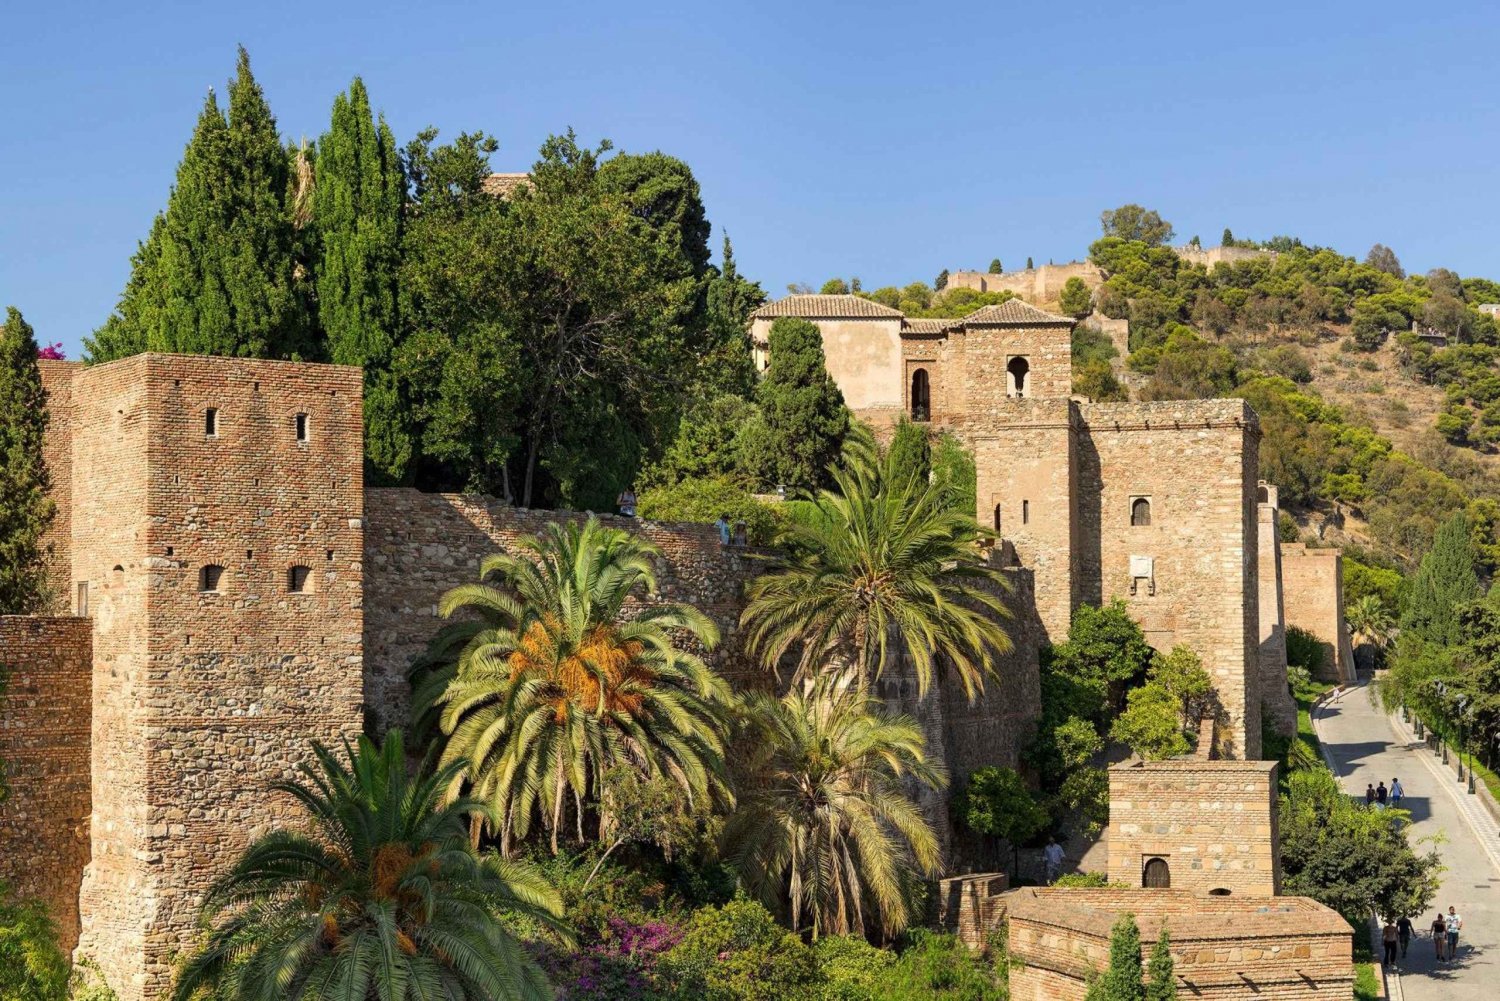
[
  {"x": 825, "y": 826},
  {"x": 880, "y": 555},
  {"x": 1368, "y": 618},
  {"x": 381, "y": 898},
  {"x": 559, "y": 679}
]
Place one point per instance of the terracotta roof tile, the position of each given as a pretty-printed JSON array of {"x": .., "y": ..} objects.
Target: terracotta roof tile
[
  {"x": 928, "y": 326},
  {"x": 831, "y": 307},
  {"x": 1015, "y": 312}
]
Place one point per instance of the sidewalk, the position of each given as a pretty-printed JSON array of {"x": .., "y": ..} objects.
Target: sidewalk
[{"x": 1364, "y": 746}]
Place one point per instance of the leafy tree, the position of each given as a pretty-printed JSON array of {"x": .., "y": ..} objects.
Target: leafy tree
[
  {"x": 910, "y": 453},
  {"x": 1121, "y": 980},
  {"x": 1097, "y": 381},
  {"x": 1383, "y": 258},
  {"x": 379, "y": 894},
  {"x": 834, "y": 286},
  {"x": 358, "y": 203},
  {"x": 720, "y": 437},
  {"x": 1075, "y": 298},
  {"x": 1133, "y": 222},
  {"x": 705, "y": 500},
  {"x": 644, "y": 811},
  {"x": 996, "y": 802},
  {"x": 828, "y": 830},
  {"x": 26, "y": 507},
  {"x": 1227, "y": 239},
  {"x": 1445, "y": 580},
  {"x": 882, "y": 555},
  {"x": 1356, "y": 861},
  {"x": 1106, "y": 648},
  {"x": 739, "y": 953},
  {"x": 996, "y": 267},
  {"x": 1180, "y": 673},
  {"x": 1161, "y": 975},
  {"x": 941, "y": 281},
  {"x": 804, "y": 413},
  {"x": 32, "y": 965},
  {"x": 548, "y": 681},
  {"x": 954, "y": 475},
  {"x": 1151, "y": 725},
  {"x": 218, "y": 274},
  {"x": 1084, "y": 788}
]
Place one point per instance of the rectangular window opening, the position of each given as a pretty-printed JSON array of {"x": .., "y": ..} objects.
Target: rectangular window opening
[
  {"x": 301, "y": 427},
  {"x": 211, "y": 422}
]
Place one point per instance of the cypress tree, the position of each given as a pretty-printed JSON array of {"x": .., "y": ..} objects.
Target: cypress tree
[
  {"x": 1029, "y": 264},
  {"x": 1161, "y": 982},
  {"x": 996, "y": 267},
  {"x": 729, "y": 365},
  {"x": 1445, "y": 580},
  {"x": 358, "y": 201},
  {"x": 941, "y": 282},
  {"x": 909, "y": 453},
  {"x": 1121, "y": 981},
  {"x": 803, "y": 410},
  {"x": 218, "y": 275},
  {"x": 26, "y": 508}
]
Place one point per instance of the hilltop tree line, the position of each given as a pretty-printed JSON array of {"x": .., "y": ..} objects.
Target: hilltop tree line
[{"x": 539, "y": 346}]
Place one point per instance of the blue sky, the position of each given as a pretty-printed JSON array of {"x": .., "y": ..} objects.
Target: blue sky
[{"x": 886, "y": 141}]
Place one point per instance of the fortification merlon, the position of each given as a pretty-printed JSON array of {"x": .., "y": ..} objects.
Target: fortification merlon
[{"x": 1173, "y": 414}]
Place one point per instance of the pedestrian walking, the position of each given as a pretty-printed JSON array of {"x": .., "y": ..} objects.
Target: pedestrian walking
[
  {"x": 723, "y": 526},
  {"x": 1397, "y": 793},
  {"x": 1380, "y": 796},
  {"x": 1390, "y": 938},
  {"x": 1454, "y": 922},
  {"x": 1439, "y": 934},
  {"x": 1052, "y": 859},
  {"x": 1369, "y": 794},
  {"x": 1403, "y": 932}
]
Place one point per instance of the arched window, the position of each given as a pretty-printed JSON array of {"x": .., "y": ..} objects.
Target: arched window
[
  {"x": 1140, "y": 511},
  {"x": 209, "y": 577},
  {"x": 211, "y": 422},
  {"x": 921, "y": 396},
  {"x": 997, "y": 519},
  {"x": 1016, "y": 371},
  {"x": 299, "y": 579},
  {"x": 1219, "y": 891},
  {"x": 1262, "y": 495},
  {"x": 1156, "y": 875}
]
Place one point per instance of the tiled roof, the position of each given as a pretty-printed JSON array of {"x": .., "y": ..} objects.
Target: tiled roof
[
  {"x": 920, "y": 326},
  {"x": 504, "y": 184},
  {"x": 1015, "y": 312},
  {"x": 832, "y": 307}
]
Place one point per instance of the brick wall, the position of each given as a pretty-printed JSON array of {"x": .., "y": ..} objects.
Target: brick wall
[
  {"x": 1277, "y": 706},
  {"x": 203, "y": 699},
  {"x": 1194, "y": 463},
  {"x": 976, "y": 367},
  {"x": 1312, "y": 583},
  {"x": 44, "y": 747},
  {"x": 1281, "y": 949},
  {"x": 1213, "y": 822}
]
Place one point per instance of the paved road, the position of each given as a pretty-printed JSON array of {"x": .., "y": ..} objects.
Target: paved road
[{"x": 1365, "y": 746}]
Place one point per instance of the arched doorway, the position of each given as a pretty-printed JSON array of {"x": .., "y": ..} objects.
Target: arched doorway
[
  {"x": 1156, "y": 876},
  {"x": 1140, "y": 512},
  {"x": 921, "y": 396},
  {"x": 1016, "y": 371}
]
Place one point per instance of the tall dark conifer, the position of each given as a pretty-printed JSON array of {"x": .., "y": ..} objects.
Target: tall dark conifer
[
  {"x": 803, "y": 409},
  {"x": 729, "y": 367},
  {"x": 26, "y": 509},
  {"x": 1445, "y": 580},
  {"x": 218, "y": 275},
  {"x": 358, "y": 202}
]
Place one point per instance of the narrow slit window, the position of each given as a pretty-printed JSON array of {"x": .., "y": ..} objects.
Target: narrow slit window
[
  {"x": 301, "y": 427},
  {"x": 1026, "y": 512},
  {"x": 211, "y": 423},
  {"x": 210, "y": 577},
  {"x": 83, "y": 599},
  {"x": 997, "y": 519},
  {"x": 299, "y": 580}
]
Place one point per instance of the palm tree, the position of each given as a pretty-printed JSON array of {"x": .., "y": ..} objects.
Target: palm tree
[
  {"x": 381, "y": 898},
  {"x": 880, "y": 555},
  {"x": 824, "y": 824},
  {"x": 557, "y": 680},
  {"x": 1368, "y": 618}
]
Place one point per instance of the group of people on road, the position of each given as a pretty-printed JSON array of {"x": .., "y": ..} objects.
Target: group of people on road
[
  {"x": 1396, "y": 936},
  {"x": 1381, "y": 796}
]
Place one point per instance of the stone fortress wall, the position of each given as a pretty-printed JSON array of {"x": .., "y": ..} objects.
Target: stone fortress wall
[
  {"x": 1313, "y": 586},
  {"x": 46, "y": 666},
  {"x": 1043, "y": 284}
]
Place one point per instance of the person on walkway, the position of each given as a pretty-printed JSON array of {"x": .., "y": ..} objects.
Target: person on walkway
[
  {"x": 1052, "y": 859},
  {"x": 1389, "y": 938},
  {"x": 1397, "y": 793},
  {"x": 1455, "y": 922},
  {"x": 626, "y": 502},
  {"x": 1380, "y": 796},
  {"x": 1439, "y": 934},
  {"x": 1369, "y": 794},
  {"x": 1403, "y": 932},
  {"x": 723, "y": 526}
]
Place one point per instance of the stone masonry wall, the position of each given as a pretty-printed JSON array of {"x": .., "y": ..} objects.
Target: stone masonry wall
[
  {"x": 1213, "y": 822},
  {"x": 1312, "y": 583},
  {"x": 976, "y": 367},
  {"x": 204, "y": 697},
  {"x": 45, "y": 671},
  {"x": 57, "y": 453},
  {"x": 1190, "y": 576},
  {"x": 1042, "y": 284},
  {"x": 1286, "y": 949},
  {"x": 1277, "y": 706}
]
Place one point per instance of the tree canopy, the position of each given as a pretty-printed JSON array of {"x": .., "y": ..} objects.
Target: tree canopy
[{"x": 26, "y": 507}]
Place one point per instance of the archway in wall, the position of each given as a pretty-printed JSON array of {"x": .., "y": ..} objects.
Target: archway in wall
[
  {"x": 1157, "y": 875},
  {"x": 1140, "y": 512},
  {"x": 1016, "y": 372},
  {"x": 921, "y": 396}
]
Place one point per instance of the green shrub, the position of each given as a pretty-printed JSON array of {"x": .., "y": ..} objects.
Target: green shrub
[
  {"x": 1082, "y": 880},
  {"x": 32, "y": 966},
  {"x": 855, "y": 970},
  {"x": 1305, "y": 651},
  {"x": 704, "y": 501},
  {"x": 739, "y": 953},
  {"x": 938, "y": 967}
]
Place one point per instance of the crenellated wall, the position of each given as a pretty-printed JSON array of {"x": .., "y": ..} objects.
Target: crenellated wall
[{"x": 45, "y": 695}]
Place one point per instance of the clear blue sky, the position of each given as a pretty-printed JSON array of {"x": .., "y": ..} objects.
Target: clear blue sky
[{"x": 886, "y": 141}]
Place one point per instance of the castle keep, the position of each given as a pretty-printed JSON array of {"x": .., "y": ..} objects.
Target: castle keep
[{"x": 233, "y": 591}]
